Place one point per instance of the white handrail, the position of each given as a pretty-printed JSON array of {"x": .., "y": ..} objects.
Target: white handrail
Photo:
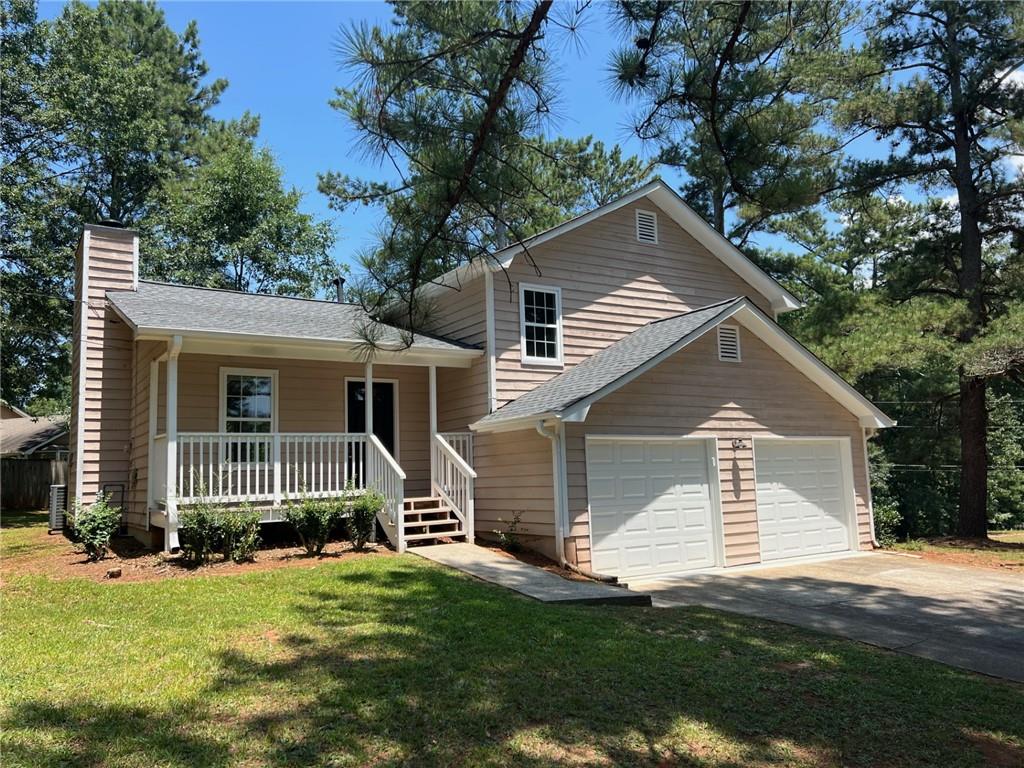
[
  {"x": 453, "y": 479},
  {"x": 462, "y": 442},
  {"x": 385, "y": 475}
]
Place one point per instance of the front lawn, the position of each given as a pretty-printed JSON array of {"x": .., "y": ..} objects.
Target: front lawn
[{"x": 392, "y": 660}]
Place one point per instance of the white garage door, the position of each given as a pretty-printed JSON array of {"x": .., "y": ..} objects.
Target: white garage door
[
  {"x": 651, "y": 509},
  {"x": 801, "y": 498}
]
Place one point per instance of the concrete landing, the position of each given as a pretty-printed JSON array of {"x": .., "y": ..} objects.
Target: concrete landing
[{"x": 526, "y": 579}]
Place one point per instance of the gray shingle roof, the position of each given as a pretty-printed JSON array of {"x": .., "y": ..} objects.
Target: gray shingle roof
[
  {"x": 608, "y": 365},
  {"x": 27, "y": 434},
  {"x": 162, "y": 306}
]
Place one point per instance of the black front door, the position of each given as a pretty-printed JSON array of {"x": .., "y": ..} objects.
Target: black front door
[{"x": 383, "y": 410}]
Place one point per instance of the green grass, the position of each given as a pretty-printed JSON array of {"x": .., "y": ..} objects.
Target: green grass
[
  {"x": 1008, "y": 537},
  {"x": 393, "y": 661},
  {"x": 1002, "y": 548}
]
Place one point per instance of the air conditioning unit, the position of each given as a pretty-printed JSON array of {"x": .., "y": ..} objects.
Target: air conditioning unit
[{"x": 58, "y": 507}]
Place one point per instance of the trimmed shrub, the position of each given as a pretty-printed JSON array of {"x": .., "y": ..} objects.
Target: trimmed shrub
[
  {"x": 313, "y": 520},
  {"x": 95, "y": 525},
  {"x": 240, "y": 534},
  {"x": 887, "y": 523},
  {"x": 362, "y": 519},
  {"x": 200, "y": 532}
]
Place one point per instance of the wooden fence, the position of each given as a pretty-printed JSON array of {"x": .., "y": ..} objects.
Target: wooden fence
[{"x": 25, "y": 483}]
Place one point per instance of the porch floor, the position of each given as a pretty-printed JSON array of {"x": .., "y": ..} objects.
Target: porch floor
[{"x": 524, "y": 578}]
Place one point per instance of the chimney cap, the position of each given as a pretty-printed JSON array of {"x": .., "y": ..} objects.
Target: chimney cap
[{"x": 112, "y": 223}]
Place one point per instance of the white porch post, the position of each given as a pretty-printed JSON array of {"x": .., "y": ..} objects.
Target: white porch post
[
  {"x": 171, "y": 531},
  {"x": 154, "y": 393},
  {"x": 432, "y": 379},
  {"x": 277, "y": 470},
  {"x": 368, "y": 403}
]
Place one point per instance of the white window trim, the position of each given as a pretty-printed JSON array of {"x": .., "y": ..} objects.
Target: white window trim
[
  {"x": 395, "y": 408},
  {"x": 739, "y": 348},
  {"x": 546, "y": 361},
  {"x": 636, "y": 228},
  {"x": 223, "y": 404}
]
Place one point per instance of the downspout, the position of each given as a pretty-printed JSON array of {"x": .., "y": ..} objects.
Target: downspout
[{"x": 561, "y": 497}]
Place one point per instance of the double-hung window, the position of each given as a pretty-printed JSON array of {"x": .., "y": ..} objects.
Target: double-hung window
[
  {"x": 540, "y": 321},
  {"x": 248, "y": 405}
]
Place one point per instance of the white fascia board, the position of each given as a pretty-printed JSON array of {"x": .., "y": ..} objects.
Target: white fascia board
[
  {"x": 511, "y": 425},
  {"x": 834, "y": 385}
]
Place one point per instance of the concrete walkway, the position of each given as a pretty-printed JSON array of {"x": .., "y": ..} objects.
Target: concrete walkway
[
  {"x": 965, "y": 617},
  {"x": 524, "y": 578}
]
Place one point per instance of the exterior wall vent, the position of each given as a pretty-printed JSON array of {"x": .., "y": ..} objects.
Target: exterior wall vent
[
  {"x": 647, "y": 227},
  {"x": 728, "y": 344}
]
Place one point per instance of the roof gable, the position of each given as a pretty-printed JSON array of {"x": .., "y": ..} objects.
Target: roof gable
[
  {"x": 568, "y": 396},
  {"x": 673, "y": 206}
]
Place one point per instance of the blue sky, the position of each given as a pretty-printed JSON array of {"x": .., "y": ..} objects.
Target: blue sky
[{"x": 280, "y": 63}]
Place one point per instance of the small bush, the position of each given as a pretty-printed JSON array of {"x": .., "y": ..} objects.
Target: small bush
[
  {"x": 363, "y": 518},
  {"x": 200, "y": 532},
  {"x": 887, "y": 523},
  {"x": 95, "y": 525},
  {"x": 509, "y": 538},
  {"x": 240, "y": 535},
  {"x": 313, "y": 520},
  {"x": 912, "y": 545}
]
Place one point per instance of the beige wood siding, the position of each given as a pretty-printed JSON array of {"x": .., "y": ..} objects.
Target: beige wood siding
[
  {"x": 460, "y": 314},
  {"x": 514, "y": 475},
  {"x": 311, "y": 398},
  {"x": 145, "y": 352},
  {"x": 103, "y": 417},
  {"x": 693, "y": 394},
  {"x": 611, "y": 285}
]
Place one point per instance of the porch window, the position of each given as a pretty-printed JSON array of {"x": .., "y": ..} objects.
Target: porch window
[
  {"x": 248, "y": 407},
  {"x": 540, "y": 312}
]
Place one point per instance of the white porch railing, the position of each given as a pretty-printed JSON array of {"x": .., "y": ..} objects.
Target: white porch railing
[
  {"x": 462, "y": 442},
  {"x": 384, "y": 475},
  {"x": 452, "y": 479},
  {"x": 222, "y": 467}
]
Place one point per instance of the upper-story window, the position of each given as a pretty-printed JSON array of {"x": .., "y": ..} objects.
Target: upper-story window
[{"x": 540, "y": 324}]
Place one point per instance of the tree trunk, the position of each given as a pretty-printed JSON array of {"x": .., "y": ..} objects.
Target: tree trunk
[
  {"x": 973, "y": 516},
  {"x": 973, "y": 512},
  {"x": 718, "y": 206}
]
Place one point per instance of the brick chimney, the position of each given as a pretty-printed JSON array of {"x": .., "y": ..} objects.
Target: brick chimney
[{"x": 101, "y": 364}]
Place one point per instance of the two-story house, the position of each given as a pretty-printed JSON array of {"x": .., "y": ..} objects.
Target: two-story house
[{"x": 617, "y": 384}]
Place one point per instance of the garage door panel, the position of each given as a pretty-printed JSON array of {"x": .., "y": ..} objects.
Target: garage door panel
[
  {"x": 800, "y": 498},
  {"x": 650, "y": 506}
]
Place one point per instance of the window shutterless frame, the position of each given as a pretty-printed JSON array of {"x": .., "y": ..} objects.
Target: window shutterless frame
[
  {"x": 224, "y": 418},
  {"x": 539, "y": 329}
]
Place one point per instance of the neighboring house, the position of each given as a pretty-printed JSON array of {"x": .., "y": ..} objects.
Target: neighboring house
[
  {"x": 38, "y": 437},
  {"x": 619, "y": 386}
]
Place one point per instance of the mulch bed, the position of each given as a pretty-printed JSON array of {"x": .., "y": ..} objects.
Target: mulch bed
[{"x": 56, "y": 557}]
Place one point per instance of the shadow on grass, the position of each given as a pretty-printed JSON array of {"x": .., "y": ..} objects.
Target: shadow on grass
[
  {"x": 402, "y": 663},
  {"x": 24, "y": 518},
  {"x": 105, "y": 735}
]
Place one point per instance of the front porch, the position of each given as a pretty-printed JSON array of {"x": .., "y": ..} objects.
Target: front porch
[{"x": 234, "y": 432}]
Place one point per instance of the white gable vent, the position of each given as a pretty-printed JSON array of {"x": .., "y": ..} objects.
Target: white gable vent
[
  {"x": 728, "y": 343},
  {"x": 647, "y": 227}
]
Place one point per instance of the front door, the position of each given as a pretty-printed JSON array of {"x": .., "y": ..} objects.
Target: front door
[{"x": 383, "y": 410}]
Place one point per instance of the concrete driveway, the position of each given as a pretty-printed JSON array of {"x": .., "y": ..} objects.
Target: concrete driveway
[{"x": 966, "y": 617}]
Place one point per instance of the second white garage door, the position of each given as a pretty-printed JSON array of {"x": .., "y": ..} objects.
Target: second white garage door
[
  {"x": 802, "y": 506},
  {"x": 651, "y": 506}
]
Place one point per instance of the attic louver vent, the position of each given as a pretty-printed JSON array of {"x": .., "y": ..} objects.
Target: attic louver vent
[
  {"x": 728, "y": 344},
  {"x": 647, "y": 227}
]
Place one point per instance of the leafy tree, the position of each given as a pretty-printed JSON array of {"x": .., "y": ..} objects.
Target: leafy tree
[
  {"x": 737, "y": 94},
  {"x": 229, "y": 222},
  {"x": 952, "y": 113},
  {"x": 98, "y": 108}
]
